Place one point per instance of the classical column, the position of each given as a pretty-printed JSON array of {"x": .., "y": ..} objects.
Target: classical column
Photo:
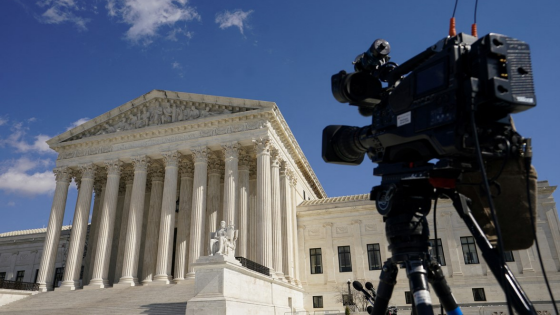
[
  {"x": 243, "y": 205},
  {"x": 128, "y": 177},
  {"x": 252, "y": 231},
  {"x": 263, "y": 211},
  {"x": 293, "y": 184},
  {"x": 212, "y": 197},
  {"x": 276, "y": 213},
  {"x": 99, "y": 190},
  {"x": 134, "y": 228},
  {"x": 287, "y": 225},
  {"x": 153, "y": 225},
  {"x": 79, "y": 229},
  {"x": 167, "y": 222},
  {"x": 100, "y": 278},
  {"x": 231, "y": 154},
  {"x": 46, "y": 269},
  {"x": 200, "y": 157},
  {"x": 184, "y": 219}
]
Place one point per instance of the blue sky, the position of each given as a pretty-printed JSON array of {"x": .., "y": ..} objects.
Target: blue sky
[{"x": 65, "y": 61}]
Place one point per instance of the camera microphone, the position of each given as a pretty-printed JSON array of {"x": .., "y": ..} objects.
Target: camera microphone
[
  {"x": 358, "y": 286},
  {"x": 369, "y": 286}
]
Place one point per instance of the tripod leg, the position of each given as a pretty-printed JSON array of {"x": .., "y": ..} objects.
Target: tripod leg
[
  {"x": 418, "y": 279},
  {"x": 387, "y": 281},
  {"x": 442, "y": 290}
]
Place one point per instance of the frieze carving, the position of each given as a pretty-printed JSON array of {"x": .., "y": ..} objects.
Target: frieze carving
[
  {"x": 314, "y": 232},
  {"x": 201, "y": 133},
  {"x": 341, "y": 230}
]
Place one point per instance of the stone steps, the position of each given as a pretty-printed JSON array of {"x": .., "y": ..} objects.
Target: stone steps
[{"x": 169, "y": 299}]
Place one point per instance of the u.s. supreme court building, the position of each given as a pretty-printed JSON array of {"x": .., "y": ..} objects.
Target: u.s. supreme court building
[{"x": 158, "y": 174}]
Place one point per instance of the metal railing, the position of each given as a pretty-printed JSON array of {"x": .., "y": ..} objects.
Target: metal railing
[
  {"x": 18, "y": 285},
  {"x": 249, "y": 264}
]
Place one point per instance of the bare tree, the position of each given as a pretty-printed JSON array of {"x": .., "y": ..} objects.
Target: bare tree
[{"x": 360, "y": 303}]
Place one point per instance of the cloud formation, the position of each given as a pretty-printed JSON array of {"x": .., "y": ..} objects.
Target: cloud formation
[
  {"x": 77, "y": 123},
  {"x": 235, "y": 18},
  {"x": 16, "y": 140},
  {"x": 147, "y": 17},
  {"x": 62, "y": 11},
  {"x": 17, "y": 177}
]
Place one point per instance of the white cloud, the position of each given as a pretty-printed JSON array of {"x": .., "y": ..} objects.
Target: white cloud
[
  {"x": 77, "y": 123},
  {"x": 3, "y": 121},
  {"x": 147, "y": 17},
  {"x": 17, "y": 141},
  {"x": 235, "y": 18},
  {"x": 17, "y": 178},
  {"x": 176, "y": 65},
  {"x": 62, "y": 11}
]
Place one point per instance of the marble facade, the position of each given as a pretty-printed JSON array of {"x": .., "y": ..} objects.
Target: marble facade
[{"x": 205, "y": 158}]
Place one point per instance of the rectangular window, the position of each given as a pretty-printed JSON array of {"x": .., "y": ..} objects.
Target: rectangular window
[
  {"x": 2, "y": 276},
  {"x": 347, "y": 299},
  {"x": 317, "y": 302},
  {"x": 469, "y": 250},
  {"x": 374, "y": 256},
  {"x": 344, "y": 259},
  {"x": 408, "y": 297},
  {"x": 478, "y": 294},
  {"x": 315, "y": 259},
  {"x": 441, "y": 256},
  {"x": 20, "y": 275},
  {"x": 508, "y": 256}
]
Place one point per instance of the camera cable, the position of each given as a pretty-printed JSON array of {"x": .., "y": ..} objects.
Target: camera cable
[
  {"x": 486, "y": 187},
  {"x": 527, "y": 160}
]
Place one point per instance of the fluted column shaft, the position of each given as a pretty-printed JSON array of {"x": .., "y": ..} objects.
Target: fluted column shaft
[
  {"x": 200, "y": 157},
  {"x": 276, "y": 214},
  {"x": 167, "y": 222},
  {"x": 134, "y": 229},
  {"x": 263, "y": 211},
  {"x": 243, "y": 205},
  {"x": 128, "y": 177},
  {"x": 100, "y": 278},
  {"x": 287, "y": 225},
  {"x": 231, "y": 175},
  {"x": 153, "y": 225},
  {"x": 50, "y": 247},
  {"x": 184, "y": 219},
  {"x": 99, "y": 190},
  {"x": 79, "y": 229},
  {"x": 252, "y": 234},
  {"x": 212, "y": 198}
]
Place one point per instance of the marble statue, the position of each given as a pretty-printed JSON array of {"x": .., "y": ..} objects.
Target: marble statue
[{"x": 222, "y": 242}]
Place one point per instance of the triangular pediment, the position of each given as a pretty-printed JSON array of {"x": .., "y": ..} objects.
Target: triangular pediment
[{"x": 159, "y": 107}]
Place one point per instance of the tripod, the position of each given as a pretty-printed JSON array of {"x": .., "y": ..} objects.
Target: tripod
[{"x": 404, "y": 199}]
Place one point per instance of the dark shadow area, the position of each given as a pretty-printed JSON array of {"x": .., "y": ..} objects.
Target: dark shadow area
[{"x": 164, "y": 308}]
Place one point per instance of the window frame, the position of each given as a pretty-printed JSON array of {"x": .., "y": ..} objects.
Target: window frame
[
  {"x": 371, "y": 256},
  {"x": 440, "y": 251},
  {"x": 479, "y": 292},
  {"x": 345, "y": 255},
  {"x": 2, "y": 276},
  {"x": 469, "y": 243},
  {"x": 20, "y": 274},
  {"x": 313, "y": 257},
  {"x": 317, "y": 301}
]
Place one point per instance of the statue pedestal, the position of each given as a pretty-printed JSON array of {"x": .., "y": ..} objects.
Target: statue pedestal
[{"x": 223, "y": 286}]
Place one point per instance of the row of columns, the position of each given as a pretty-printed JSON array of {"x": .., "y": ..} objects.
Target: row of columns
[{"x": 262, "y": 207}]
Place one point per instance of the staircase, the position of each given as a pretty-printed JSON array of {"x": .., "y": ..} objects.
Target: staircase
[{"x": 169, "y": 299}]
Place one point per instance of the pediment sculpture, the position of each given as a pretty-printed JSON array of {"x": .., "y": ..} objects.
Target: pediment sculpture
[
  {"x": 153, "y": 114},
  {"x": 223, "y": 241}
]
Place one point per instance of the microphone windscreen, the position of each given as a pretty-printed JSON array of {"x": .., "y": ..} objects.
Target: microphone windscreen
[
  {"x": 357, "y": 285},
  {"x": 369, "y": 286}
]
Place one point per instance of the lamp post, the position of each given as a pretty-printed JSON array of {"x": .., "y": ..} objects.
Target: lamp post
[{"x": 348, "y": 287}]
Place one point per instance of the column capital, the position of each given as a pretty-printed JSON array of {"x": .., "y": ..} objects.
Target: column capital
[
  {"x": 113, "y": 167},
  {"x": 156, "y": 172},
  {"x": 215, "y": 166},
  {"x": 63, "y": 174},
  {"x": 200, "y": 154},
  {"x": 140, "y": 163},
  {"x": 87, "y": 170},
  {"x": 244, "y": 160},
  {"x": 292, "y": 176},
  {"x": 262, "y": 146},
  {"x": 186, "y": 167},
  {"x": 274, "y": 157},
  {"x": 171, "y": 158},
  {"x": 231, "y": 150}
]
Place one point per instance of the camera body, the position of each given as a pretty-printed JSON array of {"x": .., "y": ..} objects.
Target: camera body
[{"x": 425, "y": 110}]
